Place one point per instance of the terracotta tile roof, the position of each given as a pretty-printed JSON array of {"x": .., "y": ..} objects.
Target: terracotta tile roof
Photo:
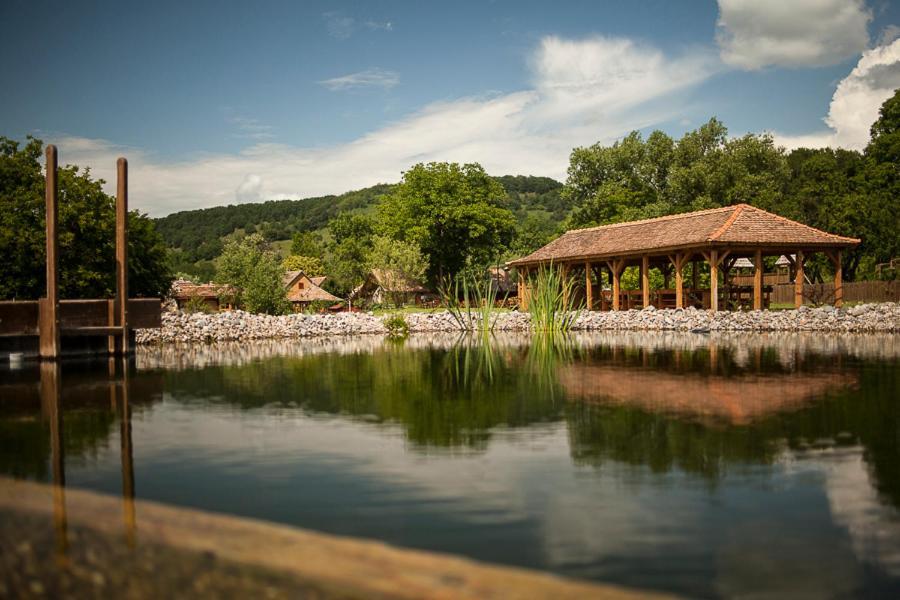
[
  {"x": 738, "y": 224},
  {"x": 312, "y": 293},
  {"x": 183, "y": 289},
  {"x": 319, "y": 280}
]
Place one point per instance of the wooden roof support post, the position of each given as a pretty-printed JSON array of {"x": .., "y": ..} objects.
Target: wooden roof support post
[
  {"x": 757, "y": 280},
  {"x": 564, "y": 277},
  {"x": 588, "y": 288},
  {"x": 798, "y": 279},
  {"x": 48, "y": 326},
  {"x": 645, "y": 281},
  {"x": 615, "y": 270},
  {"x": 678, "y": 262},
  {"x": 835, "y": 257},
  {"x": 713, "y": 280}
]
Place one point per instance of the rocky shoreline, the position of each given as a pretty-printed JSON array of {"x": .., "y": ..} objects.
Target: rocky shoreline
[{"x": 237, "y": 325}]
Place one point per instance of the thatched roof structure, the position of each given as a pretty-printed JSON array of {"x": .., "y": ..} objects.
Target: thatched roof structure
[
  {"x": 740, "y": 225},
  {"x": 182, "y": 289}
]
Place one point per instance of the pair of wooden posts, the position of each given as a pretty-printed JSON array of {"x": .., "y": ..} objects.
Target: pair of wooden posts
[{"x": 49, "y": 328}]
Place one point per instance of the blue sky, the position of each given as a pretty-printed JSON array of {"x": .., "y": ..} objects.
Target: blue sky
[{"x": 222, "y": 102}]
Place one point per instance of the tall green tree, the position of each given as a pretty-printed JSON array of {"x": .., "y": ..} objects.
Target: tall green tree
[
  {"x": 250, "y": 265},
  {"x": 87, "y": 233},
  {"x": 351, "y": 242},
  {"x": 400, "y": 263},
  {"x": 453, "y": 212},
  {"x": 307, "y": 243}
]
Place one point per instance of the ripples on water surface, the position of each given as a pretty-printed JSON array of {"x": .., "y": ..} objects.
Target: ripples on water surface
[{"x": 709, "y": 466}]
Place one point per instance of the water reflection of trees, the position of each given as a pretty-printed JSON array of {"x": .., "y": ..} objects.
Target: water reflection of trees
[{"x": 696, "y": 403}]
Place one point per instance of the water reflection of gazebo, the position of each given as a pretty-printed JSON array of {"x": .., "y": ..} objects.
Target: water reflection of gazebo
[{"x": 737, "y": 400}]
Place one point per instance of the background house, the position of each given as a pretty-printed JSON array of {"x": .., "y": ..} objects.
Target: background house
[
  {"x": 303, "y": 290},
  {"x": 202, "y": 296},
  {"x": 383, "y": 286}
]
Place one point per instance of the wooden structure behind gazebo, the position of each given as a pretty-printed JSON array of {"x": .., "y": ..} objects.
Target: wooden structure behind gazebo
[{"x": 718, "y": 236}]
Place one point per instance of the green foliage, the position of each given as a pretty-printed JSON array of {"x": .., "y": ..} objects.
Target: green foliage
[
  {"x": 552, "y": 301},
  {"x": 398, "y": 260},
  {"x": 470, "y": 301},
  {"x": 307, "y": 243},
  {"x": 453, "y": 212},
  {"x": 196, "y": 304},
  {"x": 87, "y": 233},
  {"x": 253, "y": 268},
  {"x": 310, "y": 265},
  {"x": 397, "y": 326},
  {"x": 349, "y": 251}
]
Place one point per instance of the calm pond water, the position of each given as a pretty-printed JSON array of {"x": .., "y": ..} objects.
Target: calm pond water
[{"x": 706, "y": 466}]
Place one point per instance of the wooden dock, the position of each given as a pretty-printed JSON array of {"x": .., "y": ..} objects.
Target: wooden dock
[{"x": 52, "y": 320}]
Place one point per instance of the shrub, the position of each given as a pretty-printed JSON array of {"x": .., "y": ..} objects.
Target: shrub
[{"x": 397, "y": 326}]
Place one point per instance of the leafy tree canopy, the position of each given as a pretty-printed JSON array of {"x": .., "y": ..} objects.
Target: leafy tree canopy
[
  {"x": 254, "y": 269},
  {"x": 453, "y": 212},
  {"x": 310, "y": 265},
  {"x": 87, "y": 233}
]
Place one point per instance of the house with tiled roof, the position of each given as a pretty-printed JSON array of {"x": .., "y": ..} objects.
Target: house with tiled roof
[{"x": 303, "y": 290}]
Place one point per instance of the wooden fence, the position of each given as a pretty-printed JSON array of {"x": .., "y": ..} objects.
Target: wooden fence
[{"x": 854, "y": 291}]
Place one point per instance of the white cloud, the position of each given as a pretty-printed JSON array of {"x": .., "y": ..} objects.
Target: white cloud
[
  {"x": 854, "y": 106},
  {"x": 342, "y": 26},
  {"x": 753, "y": 34},
  {"x": 584, "y": 91},
  {"x": 249, "y": 128},
  {"x": 363, "y": 79}
]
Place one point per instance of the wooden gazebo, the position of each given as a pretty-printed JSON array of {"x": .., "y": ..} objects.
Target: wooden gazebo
[{"x": 718, "y": 236}]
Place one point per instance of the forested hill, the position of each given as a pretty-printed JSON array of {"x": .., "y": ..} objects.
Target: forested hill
[{"x": 198, "y": 233}]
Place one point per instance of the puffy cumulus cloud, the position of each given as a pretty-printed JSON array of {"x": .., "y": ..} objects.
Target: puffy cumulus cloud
[
  {"x": 584, "y": 91},
  {"x": 854, "y": 106},
  {"x": 753, "y": 34},
  {"x": 379, "y": 78}
]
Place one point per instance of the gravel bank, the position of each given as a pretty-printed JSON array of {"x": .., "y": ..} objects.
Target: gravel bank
[{"x": 238, "y": 325}]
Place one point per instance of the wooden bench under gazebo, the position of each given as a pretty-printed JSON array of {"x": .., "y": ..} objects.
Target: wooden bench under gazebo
[{"x": 719, "y": 237}]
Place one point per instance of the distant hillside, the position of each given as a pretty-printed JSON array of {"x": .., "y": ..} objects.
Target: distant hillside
[{"x": 198, "y": 233}]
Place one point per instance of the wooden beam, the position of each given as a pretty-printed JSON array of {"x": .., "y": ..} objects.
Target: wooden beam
[
  {"x": 838, "y": 278},
  {"x": 588, "y": 288},
  {"x": 679, "y": 281},
  {"x": 48, "y": 326},
  {"x": 615, "y": 270},
  {"x": 798, "y": 279},
  {"x": 757, "y": 280},
  {"x": 564, "y": 272},
  {"x": 645, "y": 281},
  {"x": 120, "y": 344},
  {"x": 713, "y": 281}
]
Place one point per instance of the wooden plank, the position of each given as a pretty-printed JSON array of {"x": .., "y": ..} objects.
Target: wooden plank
[
  {"x": 18, "y": 317},
  {"x": 757, "y": 280},
  {"x": 798, "y": 279},
  {"x": 48, "y": 324},
  {"x": 713, "y": 259}
]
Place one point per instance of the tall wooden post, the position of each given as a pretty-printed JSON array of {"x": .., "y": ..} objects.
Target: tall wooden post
[
  {"x": 757, "y": 280},
  {"x": 645, "y": 281},
  {"x": 714, "y": 280},
  {"x": 588, "y": 288},
  {"x": 798, "y": 279},
  {"x": 615, "y": 272},
  {"x": 679, "y": 281},
  {"x": 838, "y": 279},
  {"x": 48, "y": 307},
  {"x": 564, "y": 272},
  {"x": 120, "y": 344}
]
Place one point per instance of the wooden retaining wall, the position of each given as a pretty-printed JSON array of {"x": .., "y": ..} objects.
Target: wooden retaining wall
[{"x": 854, "y": 291}]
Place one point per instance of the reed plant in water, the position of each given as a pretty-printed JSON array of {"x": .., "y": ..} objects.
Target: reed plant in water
[
  {"x": 552, "y": 302},
  {"x": 470, "y": 301}
]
